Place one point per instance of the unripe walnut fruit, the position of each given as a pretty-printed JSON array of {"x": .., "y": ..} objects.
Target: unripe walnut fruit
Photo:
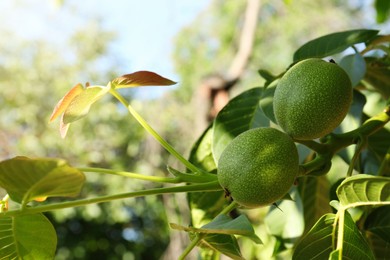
[{"x": 312, "y": 99}]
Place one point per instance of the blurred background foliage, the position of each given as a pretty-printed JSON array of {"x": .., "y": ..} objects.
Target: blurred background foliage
[{"x": 35, "y": 73}]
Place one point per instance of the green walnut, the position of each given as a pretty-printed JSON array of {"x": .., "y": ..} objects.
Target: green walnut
[
  {"x": 258, "y": 167},
  {"x": 312, "y": 99}
]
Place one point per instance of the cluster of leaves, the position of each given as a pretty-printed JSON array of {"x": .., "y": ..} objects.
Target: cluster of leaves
[
  {"x": 308, "y": 226},
  {"x": 355, "y": 226}
]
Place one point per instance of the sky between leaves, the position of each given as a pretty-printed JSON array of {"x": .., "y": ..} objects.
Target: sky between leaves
[{"x": 144, "y": 30}]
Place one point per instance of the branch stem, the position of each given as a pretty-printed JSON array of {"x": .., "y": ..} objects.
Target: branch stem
[
  {"x": 210, "y": 186},
  {"x": 151, "y": 131},
  {"x": 131, "y": 175}
]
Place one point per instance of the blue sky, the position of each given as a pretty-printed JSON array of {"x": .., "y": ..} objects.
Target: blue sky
[{"x": 145, "y": 29}]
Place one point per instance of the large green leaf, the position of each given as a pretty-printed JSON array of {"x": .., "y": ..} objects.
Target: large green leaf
[
  {"x": 317, "y": 244},
  {"x": 333, "y": 43},
  {"x": 28, "y": 179},
  {"x": 314, "y": 192},
  {"x": 27, "y": 237},
  {"x": 354, "y": 245},
  {"x": 364, "y": 189},
  {"x": 205, "y": 205},
  {"x": 239, "y": 115}
]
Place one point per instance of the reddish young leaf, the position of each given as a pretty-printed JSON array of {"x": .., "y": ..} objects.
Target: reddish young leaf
[
  {"x": 65, "y": 101},
  {"x": 141, "y": 78}
]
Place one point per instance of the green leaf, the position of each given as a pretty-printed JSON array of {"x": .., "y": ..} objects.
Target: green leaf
[
  {"x": 355, "y": 245},
  {"x": 226, "y": 244},
  {"x": 379, "y": 145},
  {"x": 139, "y": 79},
  {"x": 27, "y": 237},
  {"x": 266, "y": 101},
  {"x": 81, "y": 104},
  {"x": 364, "y": 189},
  {"x": 239, "y": 115},
  {"x": 333, "y": 43},
  {"x": 314, "y": 192},
  {"x": 223, "y": 224},
  {"x": 317, "y": 244},
  {"x": 378, "y": 222},
  {"x": 28, "y": 179},
  {"x": 267, "y": 76},
  {"x": 355, "y": 66},
  {"x": 201, "y": 154},
  {"x": 378, "y": 76},
  {"x": 382, "y": 10}
]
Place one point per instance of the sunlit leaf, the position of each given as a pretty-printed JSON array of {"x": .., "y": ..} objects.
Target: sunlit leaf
[
  {"x": 201, "y": 153},
  {"x": 239, "y": 115},
  {"x": 65, "y": 101},
  {"x": 139, "y": 79},
  {"x": 382, "y": 10},
  {"x": 81, "y": 104},
  {"x": 28, "y": 179},
  {"x": 317, "y": 244},
  {"x": 223, "y": 224},
  {"x": 333, "y": 43},
  {"x": 355, "y": 66},
  {"x": 355, "y": 246},
  {"x": 364, "y": 189},
  {"x": 27, "y": 237}
]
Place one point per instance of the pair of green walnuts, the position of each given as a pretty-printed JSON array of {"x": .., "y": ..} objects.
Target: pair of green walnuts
[{"x": 260, "y": 165}]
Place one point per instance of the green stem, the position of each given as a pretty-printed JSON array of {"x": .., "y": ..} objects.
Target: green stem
[
  {"x": 150, "y": 130},
  {"x": 385, "y": 164},
  {"x": 131, "y": 175},
  {"x": 192, "y": 245},
  {"x": 332, "y": 143},
  {"x": 229, "y": 208},
  {"x": 340, "y": 232},
  {"x": 359, "y": 148},
  {"x": 210, "y": 186}
]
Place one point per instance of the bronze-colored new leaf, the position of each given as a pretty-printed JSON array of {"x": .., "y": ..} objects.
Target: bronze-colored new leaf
[
  {"x": 65, "y": 101},
  {"x": 141, "y": 78}
]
